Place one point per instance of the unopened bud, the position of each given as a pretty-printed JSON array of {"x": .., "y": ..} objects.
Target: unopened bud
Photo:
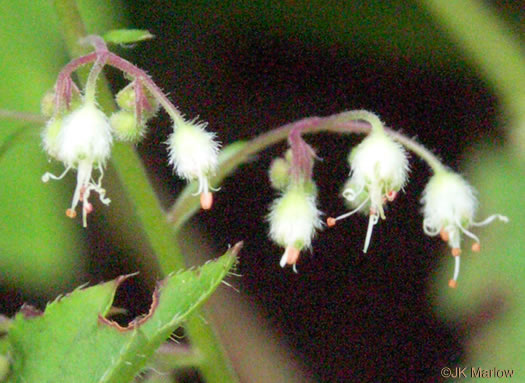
[
  {"x": 125, "y": 127},
  {"x": 279, "y": 173}
]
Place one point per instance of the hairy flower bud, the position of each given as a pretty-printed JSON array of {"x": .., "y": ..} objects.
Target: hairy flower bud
[
  {"x": 193, "y": 152},
  {"x": 279, "y": 173},
  {"x": 125, "y": 128},
  {"x": 294, "y": 219}
]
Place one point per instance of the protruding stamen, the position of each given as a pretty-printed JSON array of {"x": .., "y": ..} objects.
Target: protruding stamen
[
  {"x": 351, "y": 195},
  {"x": 429, "y": 228},
  {"x": 454, "y": 281},
  {"x": 47, "y": 176},
  {"x": 456, "y": 251},
  {"x": 466, "y": 232},
  {"x": 444, "y": 235},
  {"x": 331, "y": 221},
  {"x": 71, "y": 213},
  {"x": 206, "y": 200},
  {"x": 391, "y": 195},
  {"x": 81, "y": 194},
  {"x": 371, "y": 222},
  {"x": 502, "y": 218},
  {"x": 290, "y": 256},
  {"x": 476, "y": 247}
]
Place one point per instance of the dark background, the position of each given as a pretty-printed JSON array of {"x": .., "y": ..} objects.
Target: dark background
[
  {"x": 350, "y": 316},
  {"x": 250, "y": 67}
]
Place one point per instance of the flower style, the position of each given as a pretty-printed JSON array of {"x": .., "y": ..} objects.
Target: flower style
[
  {"x": 194, "y": 154},
  {"x": 379, "y": 170},
  {"x": 294, "y": 219},
  {"x": 449, "y": 207},
  {"x": 82, "y": 140}
]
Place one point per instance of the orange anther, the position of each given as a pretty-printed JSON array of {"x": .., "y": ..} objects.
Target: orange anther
[
  {"x": 331, "y": 221},
  {"x": 444, "y": 235},
  {"x": 71, "y": 213},
  {"x": 456, "y": 251},
  {"x": 452, "y": 284},
  {"x": 476, "y": 246},
  {"x": 206, "y": 200}
]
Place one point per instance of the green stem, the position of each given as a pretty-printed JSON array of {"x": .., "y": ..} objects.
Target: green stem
[
  {"x": 489, "y": 43},
  {"x": 215, "y": 366},
  {"x": 22, "y": 116}
]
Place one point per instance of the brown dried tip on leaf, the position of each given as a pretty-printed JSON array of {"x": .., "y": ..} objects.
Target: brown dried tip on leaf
[
  {"x": 452, "y": 284},
  {"x": 476, "y": 247},
  {"x": 29, "y": 311},
  {"x": 237, "y": 248},
  {"x": 456, "y": 251},
  {"x": 206, "y": 200},
  {"x": 331, "y": 221},
  {"x": 444, "y": 235}
]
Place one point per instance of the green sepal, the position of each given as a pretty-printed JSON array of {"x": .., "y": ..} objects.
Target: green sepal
[{"x": 127, "y": 36}]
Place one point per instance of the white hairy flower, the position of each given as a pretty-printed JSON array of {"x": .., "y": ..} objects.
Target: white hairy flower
[
  {"x": 379, "y": 170},
  {"x": 193, "y": 152},
  {"x": 449, "y": 208},
  {"x": 294, "y": 219},
  {"x": 81, "y": 140}
]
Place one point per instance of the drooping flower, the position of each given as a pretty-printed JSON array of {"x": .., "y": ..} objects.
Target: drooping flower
[
  {"x": 82, "y": 141},
  {"x": 379, "y": 170},
  {"x": 449, "y": 208},
  {"x": 193, "y": 152},
  {"x": 294, "y": 220}
]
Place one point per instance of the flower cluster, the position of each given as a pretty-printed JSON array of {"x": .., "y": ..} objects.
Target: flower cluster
[
  {"x": 80, "y": 135},
  {"x": 378, "y": 172}
]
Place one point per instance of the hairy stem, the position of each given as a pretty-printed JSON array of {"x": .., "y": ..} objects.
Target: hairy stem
[
  {"x": 355, "y": 122},
  {"x": 22, "y": 116},
  {"x": 215, "y": 365}
]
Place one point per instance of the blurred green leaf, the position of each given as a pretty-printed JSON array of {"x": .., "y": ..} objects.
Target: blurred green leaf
[
  {"x": 73, "y": 342},
  {"x": 39, "y": 247},
  {"x": 492, "y": 281}
]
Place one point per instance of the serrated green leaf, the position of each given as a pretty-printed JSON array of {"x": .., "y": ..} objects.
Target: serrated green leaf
[
  {"x": 127, "y": 36},
  {"x": 72, "y": 341}
]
